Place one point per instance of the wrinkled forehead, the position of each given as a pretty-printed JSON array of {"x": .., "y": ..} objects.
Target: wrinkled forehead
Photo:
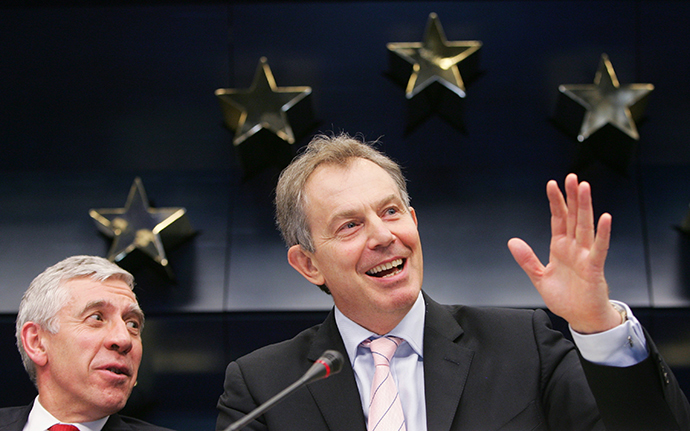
[{"x": 113, "y": 289}]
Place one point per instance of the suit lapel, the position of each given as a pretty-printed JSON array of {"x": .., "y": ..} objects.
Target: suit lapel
[
  {"x": 336, "y": 396},
  {"x": 446, "y": 366}
]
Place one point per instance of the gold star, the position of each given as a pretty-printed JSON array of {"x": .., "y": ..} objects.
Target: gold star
[
  {"x": 137, "y": 226},
  {"x": 436, "y": 59},
  {"x": 608, "y": 102},
  {"x": 264, "y": 105}
]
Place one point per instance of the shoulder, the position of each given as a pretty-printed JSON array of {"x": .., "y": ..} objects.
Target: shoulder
[
  {"x": 481, "y": 319},
  {"x": 246, "y": 377},
  {"x": 485, "y": 326},
  {"x": 122, "y": 423},
  {"x": 13, "y": 417}
]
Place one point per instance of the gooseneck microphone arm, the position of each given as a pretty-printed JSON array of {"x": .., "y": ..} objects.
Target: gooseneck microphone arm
[{"x": 330, "y": 362}]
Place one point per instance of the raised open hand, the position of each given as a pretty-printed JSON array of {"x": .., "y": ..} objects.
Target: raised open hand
[{"x": 572, "y": 284}]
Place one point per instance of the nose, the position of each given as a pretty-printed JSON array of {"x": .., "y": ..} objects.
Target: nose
[
  {"x": 119, "y": 337},
  {"x": 380, "y": 235}
]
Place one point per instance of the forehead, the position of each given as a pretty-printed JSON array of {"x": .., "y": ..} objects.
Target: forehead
[
  {"x": 334, "y": 192},
  {"x": 86, "y": 289},
  {"x": 357, "y": 175}
]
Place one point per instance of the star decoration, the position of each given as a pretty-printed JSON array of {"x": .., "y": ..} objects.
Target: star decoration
[
  {"x": 608, "y": 102},
  {"x": 432, "y": 73},
  {"x": 140, "y": 227},
  {"x": 435, "y": 59},
  {"x": 263, "y": 105},
  {"x": 266, "y": 119}
]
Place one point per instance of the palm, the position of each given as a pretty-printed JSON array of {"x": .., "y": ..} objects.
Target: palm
[{"x": 572, "y": 284}]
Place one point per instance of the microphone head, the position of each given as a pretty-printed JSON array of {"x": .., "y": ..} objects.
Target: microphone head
[
  {"x": 330, "y": 362},
  {"x": 333, "y": 359}
]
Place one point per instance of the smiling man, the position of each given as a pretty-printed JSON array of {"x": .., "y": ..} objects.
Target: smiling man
[
  {"x": 365, "y": 243},
  {"x": 343, "y": 210},
  {"x": 79, "y": 334}
]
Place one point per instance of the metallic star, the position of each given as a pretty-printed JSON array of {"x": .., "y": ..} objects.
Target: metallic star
[
  {"x": 608, "y": 102},
  {"x": 264, "y": 105},
  {"x": 436, "y": 59},
  {"x": 137, "y": 226}
]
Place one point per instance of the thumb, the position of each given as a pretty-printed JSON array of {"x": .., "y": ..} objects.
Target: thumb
[{"x": 526, "y": 258}]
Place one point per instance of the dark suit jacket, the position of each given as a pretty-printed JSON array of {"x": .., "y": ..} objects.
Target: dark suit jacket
[
  {"x": 14, "y": 419},
  {"x": 484, "y": 369}
]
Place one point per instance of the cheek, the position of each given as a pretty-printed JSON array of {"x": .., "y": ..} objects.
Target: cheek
[
  {"x": 352, "y": 259},
  {"x": 409, "y": 237},
  {"x": 138, "y": 353},
  {"x": 344, "y": 256}
]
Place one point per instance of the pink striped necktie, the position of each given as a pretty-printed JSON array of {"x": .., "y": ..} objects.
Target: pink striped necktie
[
  {"x": 63, "y": 427},
  {"x": 385, "y": 409}
]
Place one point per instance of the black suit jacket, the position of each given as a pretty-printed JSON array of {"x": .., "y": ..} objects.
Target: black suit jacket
[
  {"x": 14, "y": 419},
  {"x": 484, "y": 369}
]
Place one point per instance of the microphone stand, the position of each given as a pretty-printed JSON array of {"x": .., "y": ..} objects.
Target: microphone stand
[
  {"x": 329, "y": 363},
  {"x": 265, "y": 406}
]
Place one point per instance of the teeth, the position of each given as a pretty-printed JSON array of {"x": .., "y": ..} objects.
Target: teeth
[{"x": 385, "y": 266}]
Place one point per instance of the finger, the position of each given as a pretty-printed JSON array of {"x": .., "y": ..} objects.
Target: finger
[
  {"x": 601, "y": 241},
  {"x": 559, "y": 210},
  {"x": 571, "y": 198},
  {"x": 527, "y": 259},
  {"x": 584, "y": 232}
]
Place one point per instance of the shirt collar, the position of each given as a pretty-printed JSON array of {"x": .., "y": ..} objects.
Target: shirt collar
[
  {"x": 411, "y": 328},
  {"x": 41, "y": 419}
]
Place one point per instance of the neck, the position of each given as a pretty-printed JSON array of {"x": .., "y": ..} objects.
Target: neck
[
  {"x": 67, "y": 411},
  {"x": 383, "y": 323}
]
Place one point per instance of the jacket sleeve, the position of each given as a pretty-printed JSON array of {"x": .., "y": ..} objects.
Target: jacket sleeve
[{"x": 645, "y": 396}]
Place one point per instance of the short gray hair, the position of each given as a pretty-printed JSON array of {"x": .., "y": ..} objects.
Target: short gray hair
[
  {"x": 47, "y": 295},
  {"x": 338, "y": 150}
]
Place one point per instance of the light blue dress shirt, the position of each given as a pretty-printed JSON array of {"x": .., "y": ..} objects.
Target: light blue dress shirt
[{"x": 621, "y": 346}]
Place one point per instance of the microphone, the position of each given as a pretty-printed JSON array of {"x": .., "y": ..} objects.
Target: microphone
[{"x": 330, "y": 362}]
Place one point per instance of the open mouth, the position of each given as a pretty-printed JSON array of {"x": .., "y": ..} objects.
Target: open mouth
[
  {"x": 118, "y": 370},
  {"x": 387, "y": 269}
]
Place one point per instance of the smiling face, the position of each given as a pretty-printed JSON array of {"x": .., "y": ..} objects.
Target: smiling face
[
  {"x": 367, "y": 249},
  {"x": 87, "y": 370}
]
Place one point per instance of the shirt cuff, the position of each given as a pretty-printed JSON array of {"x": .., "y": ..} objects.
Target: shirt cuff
[{"x": 622, "y": 346}]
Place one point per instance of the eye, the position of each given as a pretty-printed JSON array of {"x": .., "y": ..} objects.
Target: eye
[
  {"x": 96, "y": 317},
  {"x": 348, "y": 225},
  {"x": 392, "y": 212},
  {"x": 134, "y": 326}
]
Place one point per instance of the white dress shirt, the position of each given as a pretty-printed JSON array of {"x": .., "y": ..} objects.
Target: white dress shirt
[
  {"x": 41, "y": 420},
  {"x": 621, "y": 346}
]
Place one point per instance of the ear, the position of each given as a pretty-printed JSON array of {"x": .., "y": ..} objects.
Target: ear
[
  {"x": 302, "y": 260},
  {"x": 34, "y": 346},
  {"x": 414, "y": 216}
]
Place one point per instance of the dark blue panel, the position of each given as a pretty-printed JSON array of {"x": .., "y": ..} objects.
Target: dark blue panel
[{"x": 121, "y": 87}]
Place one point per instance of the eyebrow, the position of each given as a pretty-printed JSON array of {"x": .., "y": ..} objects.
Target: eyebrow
[
  {"x": 102, "y": 303},
  {"x": 350, "y": 212}
]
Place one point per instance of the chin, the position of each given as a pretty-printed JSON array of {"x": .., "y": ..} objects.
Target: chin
[
  {"x": 404, "y": 298},
  {"x": 114, "y": 402}
]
